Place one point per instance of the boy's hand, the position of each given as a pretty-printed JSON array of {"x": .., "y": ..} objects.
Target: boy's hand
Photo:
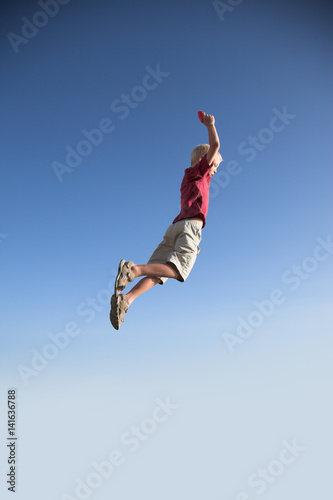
[
  {"x": 214, "y": 141},
  {"x": 208, "y": 120}
]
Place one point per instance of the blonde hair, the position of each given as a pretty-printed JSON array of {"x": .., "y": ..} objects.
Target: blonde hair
[{"x": 200, "y": 151}]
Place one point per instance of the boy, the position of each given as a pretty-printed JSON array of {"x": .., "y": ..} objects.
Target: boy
[{"x": 175, "y": 256}]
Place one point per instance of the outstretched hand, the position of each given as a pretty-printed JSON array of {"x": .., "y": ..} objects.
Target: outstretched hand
[{"x": 208, "y": 120}]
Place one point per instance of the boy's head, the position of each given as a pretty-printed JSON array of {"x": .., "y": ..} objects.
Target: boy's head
[{"x": 200, "y": 151}]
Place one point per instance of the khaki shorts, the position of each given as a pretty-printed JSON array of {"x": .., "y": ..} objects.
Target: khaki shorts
[{"x": 180, "y": 247}]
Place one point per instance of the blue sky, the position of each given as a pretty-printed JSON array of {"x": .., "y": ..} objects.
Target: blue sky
[{"x": 140, "y": 71}]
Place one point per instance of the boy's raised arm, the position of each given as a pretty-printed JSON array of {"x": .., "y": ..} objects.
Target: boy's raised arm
[{"x": 213, "y": 138}]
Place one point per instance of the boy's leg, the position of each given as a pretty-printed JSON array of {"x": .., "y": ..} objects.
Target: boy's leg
[
  {"x": 143, "y": 286},
  {"x": 120, "y": 307},
  {"x": 151, "y": 271},
  {"x": 156, "y": 270}
]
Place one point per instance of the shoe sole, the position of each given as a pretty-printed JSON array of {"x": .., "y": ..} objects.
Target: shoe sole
[
  {"x": 121, "y": 265},
  {"x": 114, "y": 316}
]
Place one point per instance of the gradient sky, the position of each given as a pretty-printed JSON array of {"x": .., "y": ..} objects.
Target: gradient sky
[{"x": 140, "y": 71}]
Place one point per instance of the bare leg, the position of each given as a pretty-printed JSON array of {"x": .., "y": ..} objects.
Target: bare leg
[
  {"x": 152, "y": 272},
  {"x": 141, "y": 287},
  {"x": 155, "y": 270}
]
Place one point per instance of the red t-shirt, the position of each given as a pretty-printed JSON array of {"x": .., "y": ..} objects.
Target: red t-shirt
[{"x": 194, "y": 192}]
